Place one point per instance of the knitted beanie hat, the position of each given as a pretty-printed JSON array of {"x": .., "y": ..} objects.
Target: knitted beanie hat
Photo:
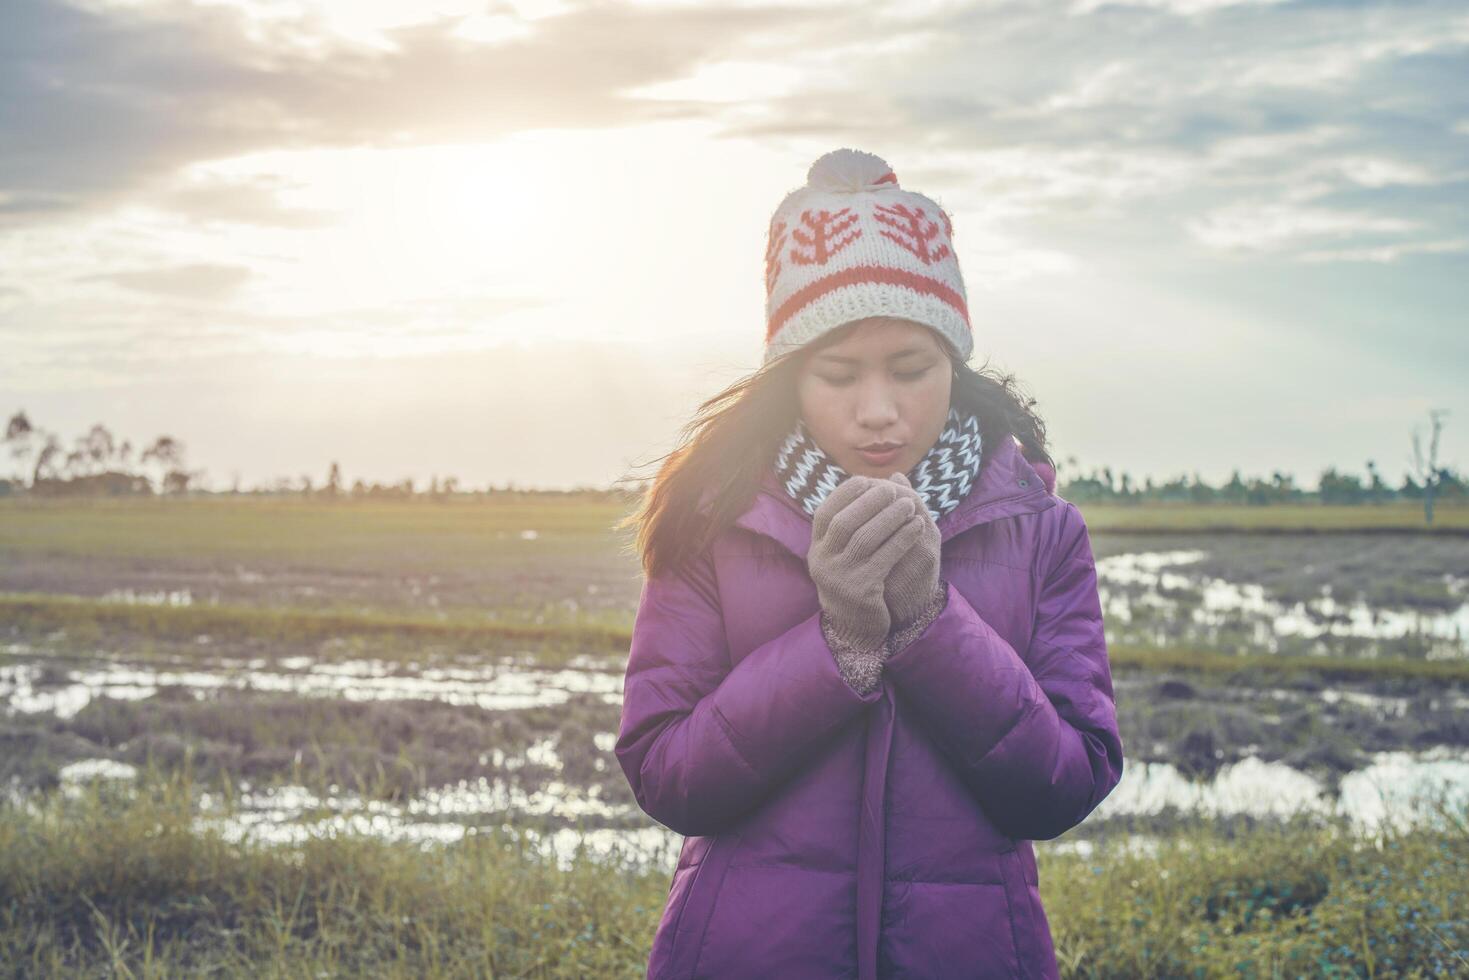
[{"x": 852, "y": 244}]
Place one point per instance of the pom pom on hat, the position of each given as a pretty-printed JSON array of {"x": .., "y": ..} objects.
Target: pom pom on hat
[{"x": 848, "y": 171}]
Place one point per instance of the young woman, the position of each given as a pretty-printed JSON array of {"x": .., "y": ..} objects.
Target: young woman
[{"x": 868, "y": 665}]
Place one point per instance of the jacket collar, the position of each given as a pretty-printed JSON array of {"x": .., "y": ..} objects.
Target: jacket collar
[{"x": 1008, "y": 484}]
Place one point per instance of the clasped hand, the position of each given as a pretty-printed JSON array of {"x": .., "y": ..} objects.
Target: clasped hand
[{"x": 874, "y": 557}]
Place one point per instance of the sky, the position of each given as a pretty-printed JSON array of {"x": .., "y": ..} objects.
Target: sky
[{"x": 520, "y": 242}]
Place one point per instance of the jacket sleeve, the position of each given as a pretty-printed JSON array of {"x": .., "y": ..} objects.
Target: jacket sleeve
[
  {"x": 1035, "y": 737},
  {"x": 702, "y": 743}
]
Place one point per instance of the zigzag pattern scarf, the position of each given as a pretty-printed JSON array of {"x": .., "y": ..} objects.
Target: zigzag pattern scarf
[{"x": 943, "y": 477}]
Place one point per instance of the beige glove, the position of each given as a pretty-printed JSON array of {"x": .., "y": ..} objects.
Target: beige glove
[
  {"x": 857, "y": 535},
  {"x": 914, "y": 580}
]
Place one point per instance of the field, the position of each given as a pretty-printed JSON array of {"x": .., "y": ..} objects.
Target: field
[{"x": 280, "y": 736}]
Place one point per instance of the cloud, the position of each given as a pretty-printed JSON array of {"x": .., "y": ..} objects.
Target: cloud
[
  {"x": 1183, "y": 8},
  {"x": 1275, "y": 226},
  {"x": 198, "y": 282},
  {"x": 1387, "y": 253},
  {"x": 110, "y": 103},
  {"x": 250, "y": 201},
  {"x": 97, "y": 104}
]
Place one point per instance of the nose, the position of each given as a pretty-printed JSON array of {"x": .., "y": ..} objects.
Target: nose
[{"x": 877, "y": 408}]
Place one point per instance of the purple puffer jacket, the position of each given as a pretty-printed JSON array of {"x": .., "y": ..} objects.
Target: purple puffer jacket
[{"x": 834, "y": 834}]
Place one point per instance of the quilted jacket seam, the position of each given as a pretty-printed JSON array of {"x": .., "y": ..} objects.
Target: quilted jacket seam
[
  {"x": 728, "y": 732},
  {"x": 1015, "y": 726},
  {"x": 987, "y": 561},
  {"x": 766, "y": 866}
]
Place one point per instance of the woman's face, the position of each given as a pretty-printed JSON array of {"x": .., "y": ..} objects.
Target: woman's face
[{"x": 884, "y": 380}]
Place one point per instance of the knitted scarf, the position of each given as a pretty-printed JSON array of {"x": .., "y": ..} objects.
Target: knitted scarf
[{"x": 943, "y": 477}]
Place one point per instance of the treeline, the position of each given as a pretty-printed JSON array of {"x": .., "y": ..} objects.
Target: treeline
[
  {"x": 99, "y": 463},
  {"x": 1334, "y": 487}
]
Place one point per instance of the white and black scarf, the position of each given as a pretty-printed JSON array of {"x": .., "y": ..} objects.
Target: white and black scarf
[{"x": 943, "y": 477}]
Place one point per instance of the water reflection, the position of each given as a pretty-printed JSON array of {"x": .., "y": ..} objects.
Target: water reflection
[
  {"x": 1145, "y": 597},
  {"x": 25, "y": 687},
  {"x": 1396, "y": 787}
]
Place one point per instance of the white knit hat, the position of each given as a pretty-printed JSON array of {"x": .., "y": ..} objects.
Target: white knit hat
[{"x": 852, "y": 244}]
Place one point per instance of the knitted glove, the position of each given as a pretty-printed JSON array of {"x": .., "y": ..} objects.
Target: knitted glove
[
  {"x": 901, "y": 636},
  {"x": 857, "y": 535},
  {"x": 914, "y": 581}
]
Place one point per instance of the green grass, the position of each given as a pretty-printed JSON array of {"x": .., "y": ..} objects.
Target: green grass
[
  {"x": 1399, "y": 516},
  {"x": 409, "y": 536},
  {"x": 277, "y": 632},
  {"x": 1284, "y": 900},
  {"x": 282, "y": 632},
  {"x": 120, "y": 884},
  {"x": 104, "y": 885},
  {"x": 1273, "y": 668},
  {"x": 401, "y": 535}
]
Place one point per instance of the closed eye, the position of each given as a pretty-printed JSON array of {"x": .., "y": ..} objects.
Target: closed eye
[{"x": 901, "y": 375}]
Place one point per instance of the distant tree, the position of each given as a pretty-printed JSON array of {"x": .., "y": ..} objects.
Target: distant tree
[
  {"x": 1283, "y": 487},
  {"x": 334, "y": 481},
  {"x": 1376, "y": 489},
  {"x": 1235, "y": 491},
  {"x": 98, "y": 446},
  {"x": 1452, "y": 484},
  {"x": 46, "y": 456},
  {"x": 178, "y": 480},
  {"x": 1200, "y": 492},
  {"x": 19, "y": 433},
  {"x": 1340, "y": 488},
  {"x": 168, "y": 452},
  {"x": 1425, "y": 466}
]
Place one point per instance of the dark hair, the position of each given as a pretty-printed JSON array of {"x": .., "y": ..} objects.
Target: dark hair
[{"x": 734, "y": 436}]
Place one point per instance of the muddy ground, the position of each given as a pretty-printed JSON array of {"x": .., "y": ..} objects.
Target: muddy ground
[{"x": 525, "y": 727}]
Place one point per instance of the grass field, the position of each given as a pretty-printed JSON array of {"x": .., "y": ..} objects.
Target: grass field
[
  {"x": 173, "y": 601},
  {"x": 1396, "y": 517},
  {"x": 485, "y": 532},
  {"x": 138, "y": 887}
]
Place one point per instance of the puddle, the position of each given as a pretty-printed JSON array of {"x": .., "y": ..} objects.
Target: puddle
[
  {"x": 1145, "y": 844},
  {"x": 1394, "y": 787},
  {"x": 499, "y": 687},
  {"x": 177, "y": 597},
  {"x": 79, "y": 772},
  {"x": 288, "y": 815},
  {"x": 1135, "y": 589}
]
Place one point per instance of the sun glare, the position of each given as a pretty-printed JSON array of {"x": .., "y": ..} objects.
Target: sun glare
[{"x": 538, "y": 235}]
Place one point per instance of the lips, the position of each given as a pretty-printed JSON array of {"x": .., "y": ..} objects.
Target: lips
[
  {"x": 880, "y": 457},
  {"x": 878, "y": 448}
]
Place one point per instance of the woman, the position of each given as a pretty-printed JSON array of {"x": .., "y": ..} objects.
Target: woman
[{"x": 868, "y": 665}]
